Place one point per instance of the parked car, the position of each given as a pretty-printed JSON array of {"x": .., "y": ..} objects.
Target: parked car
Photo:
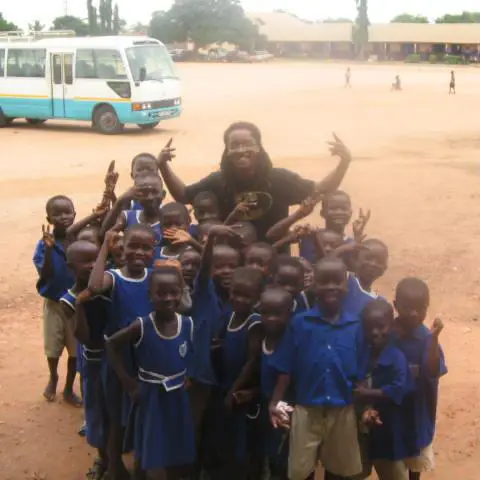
[
  {"x": 261, "y": 56},
  {"x": 238, "y": 56}
]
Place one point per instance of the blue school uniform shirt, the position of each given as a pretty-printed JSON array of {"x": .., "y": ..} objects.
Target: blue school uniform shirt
[
  {"x": 207, "y": 311},
  {"x": 63, "y": 277},
  {"x": 391, "y": 374},
  {"x": 130, "y": 299},
  {"x": 301, "y": 303},
  {"x": 357, "y": 298},
  {"x": 420, "y": 406},
  {"x": 193, "y": 230},
  {"x": 132, "y": 217},
  {"x": 321, "y": 358}
]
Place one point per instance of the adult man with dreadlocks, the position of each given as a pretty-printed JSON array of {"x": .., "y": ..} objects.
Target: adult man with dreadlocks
[{"x": 247, "y": 175}]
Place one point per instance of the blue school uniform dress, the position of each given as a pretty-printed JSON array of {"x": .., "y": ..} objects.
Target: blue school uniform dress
[
  {"x": 135, "y": 205},
  {"x": 130, "y": 300},
  {"x": 132, "y": 217},
  {"x": 164, "y": 431},
  {"x": 63, "y": 277},
  {"x": 389, "y": 373},
  {"x": 322, "y": 358},
  {"x": 193, "y": 230},
  {"x": 357, "y": 298},
  {"x": 97, "y": 310},
  {"x": 420, "y": 406}
]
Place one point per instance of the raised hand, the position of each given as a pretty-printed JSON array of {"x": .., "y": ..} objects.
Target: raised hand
[
  {"x": 111, "y": 177},
  {"x": 437, "y": 327},
  {"x": 359, "y": 225},
  {"x": 47, "y": 236},
  {"x": 111, "y": 238},
  {"x": 100, "y": 210},
  {"x": 339, "y": 149},
  {"x": 224, "y": 231},
  {"x": 177, "y": 236},
  {"x": 167, "y": 154},
  {"x": 308, "y": 205}
]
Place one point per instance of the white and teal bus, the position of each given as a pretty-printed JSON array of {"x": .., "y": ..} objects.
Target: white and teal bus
[{"x": 109, "y": 81}]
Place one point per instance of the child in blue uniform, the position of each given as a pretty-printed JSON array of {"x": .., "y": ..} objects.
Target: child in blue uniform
[
  {"x": 205, "y": 209},
  {"x": 150, "y": 194},
  {"x": 90, "y": 315},
  {"x": 128, "y": 289},
  {"x": 427, "y": 364},
  {"x": 174, "y": 217},
  {"x": 260, "y": 255},
  {"x": 276, "y": 311},
  {"x": 370, "y": 264},
  {"x": 289, "y": 275},
  {"x": 164, "y": 432},
  {"x": 54, "y": 279},
  {"x": 320, "y": 354},
  {"x": 387, "y": 381},
  {"x": 241, "y": 338}
]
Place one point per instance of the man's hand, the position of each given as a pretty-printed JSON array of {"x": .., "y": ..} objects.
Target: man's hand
[{"x": 167, "y": 154}]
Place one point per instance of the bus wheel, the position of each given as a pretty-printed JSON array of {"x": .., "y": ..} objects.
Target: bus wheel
[
  {"x": 148, "y": 126},
  {"x": 106, "y": 121},
  {"x": 35, "y": 121}
]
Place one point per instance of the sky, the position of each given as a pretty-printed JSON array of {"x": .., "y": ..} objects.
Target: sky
[{"x": 22, "y": 12}]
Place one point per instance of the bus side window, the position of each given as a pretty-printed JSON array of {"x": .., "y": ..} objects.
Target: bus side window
[
  {"x": 109, "y": 65},
  {"x": 23, "y": 62},
  {"x": 85, "y": 65},
  {"x": 2, "y": 62},
  {"x": 68, "y": 64},
  {"x": 57, "y": 69}
]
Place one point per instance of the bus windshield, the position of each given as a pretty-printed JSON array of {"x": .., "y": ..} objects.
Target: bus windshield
[{"x": 154, "y": 59}]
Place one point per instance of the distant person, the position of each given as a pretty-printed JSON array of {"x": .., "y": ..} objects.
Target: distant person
[
  {"x": 397, "y": 84},
  {"x": 452, "y": 83},
  {"x": 348, "y": 76}
]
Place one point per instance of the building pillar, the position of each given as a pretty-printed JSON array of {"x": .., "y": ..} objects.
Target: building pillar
[{"x": 415, "y": 48}]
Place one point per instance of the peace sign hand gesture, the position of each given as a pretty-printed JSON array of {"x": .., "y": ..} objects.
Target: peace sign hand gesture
[
  {"x": 339, "y": 149},
  {"x": 47, "y": 236},
  {"x": 359, "y": 226},
  {"x": 167, "y": 154}
]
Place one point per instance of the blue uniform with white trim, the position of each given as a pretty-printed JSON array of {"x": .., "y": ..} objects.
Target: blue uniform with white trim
[
  {"x": 389, "y": 373},
  {"x": 164, "y": 431},
  {"x": 357, "y": 298},
  {"x": 92, "y": 356},
  {"x": 63, "y": 277},
  {"x": 301, "y": 303},
  {"x": 130, "y": 300},
  {"x": 419, "y": 406},
  {"x": 322, "y": 358}
]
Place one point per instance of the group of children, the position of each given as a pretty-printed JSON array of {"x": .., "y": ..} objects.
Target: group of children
[{"x": 210, "y": 354}]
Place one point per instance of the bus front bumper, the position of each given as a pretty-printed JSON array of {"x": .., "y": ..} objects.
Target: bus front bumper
[{"x": 155, "y": 115}]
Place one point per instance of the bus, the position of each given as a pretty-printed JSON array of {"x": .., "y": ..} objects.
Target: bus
[{"x": 109, "y": 81}]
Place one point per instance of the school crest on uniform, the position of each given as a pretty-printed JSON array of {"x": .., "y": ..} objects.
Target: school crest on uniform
[{"x": 182, "y": 349}]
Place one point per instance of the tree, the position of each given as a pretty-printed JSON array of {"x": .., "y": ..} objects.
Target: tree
[
  {"x": 6, "y": 26},
  {"x": 92, "y": 18},
  {"x": 36, "y": 26},
  {"x": 360, "y": 29},
  {"x": 204, "y": 22},
  {"x": 116, "y": 22},
  {"x": 407, "y": 18},
  {"x": 69, "y": 22},
  {"x": 464, "y": 17}
]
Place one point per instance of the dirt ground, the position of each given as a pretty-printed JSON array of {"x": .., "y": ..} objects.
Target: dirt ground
[{"x": 415, "y": 165}]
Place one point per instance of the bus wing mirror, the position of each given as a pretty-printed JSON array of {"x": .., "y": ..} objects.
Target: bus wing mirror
[{"x": 143, "y": 74}]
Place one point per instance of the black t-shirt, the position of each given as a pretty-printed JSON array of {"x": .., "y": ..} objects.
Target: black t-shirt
[{"x": 285, "y": 189}]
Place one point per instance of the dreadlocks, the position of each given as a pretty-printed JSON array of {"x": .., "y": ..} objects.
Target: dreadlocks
[{"x": 264, "y": 164}]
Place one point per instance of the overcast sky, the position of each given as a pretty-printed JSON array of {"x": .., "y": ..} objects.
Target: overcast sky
[{"x": 23, "y": 11}]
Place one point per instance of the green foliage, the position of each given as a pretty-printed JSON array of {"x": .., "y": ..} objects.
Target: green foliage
[
  {"x": 204, "y": 22},
  {"x": 453, "y": 60},
  {"x": 6, "y": 26},
  {"x": 407, "y": 18},
  {"x": 69, "y": 22},
  {"x": 360, "y": 29},
  {"x": 413, "y": 58},
  {"x": 432, "y": 58},
  {"x": 104, "y": 20},
  {"x": 464, "y": 17},
  {"x": 36, "y": 26}
]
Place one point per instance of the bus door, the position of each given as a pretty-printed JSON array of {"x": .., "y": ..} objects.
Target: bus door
[{"x": 62, "y": 80}]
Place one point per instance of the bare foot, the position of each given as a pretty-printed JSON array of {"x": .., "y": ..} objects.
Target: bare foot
[
  {"x": 50, "y": 392},
  {"x": 72, "y": 399}
]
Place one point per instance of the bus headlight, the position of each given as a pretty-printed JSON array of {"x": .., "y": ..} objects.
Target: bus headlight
[
  {"x": 138, "y": 107},
  {"x": 177, "y": 101}
]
